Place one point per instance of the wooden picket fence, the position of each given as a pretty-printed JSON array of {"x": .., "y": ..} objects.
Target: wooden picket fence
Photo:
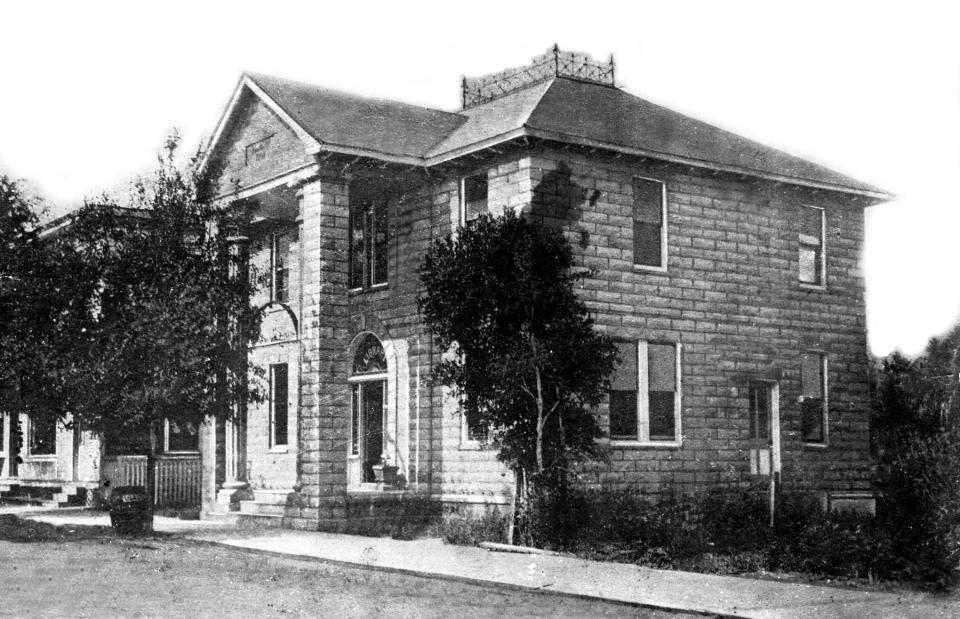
[{"x": 178, "y": 477}]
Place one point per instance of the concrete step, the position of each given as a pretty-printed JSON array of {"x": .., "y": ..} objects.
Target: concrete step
[
  {"x": 260, "y": 508},
  {"x": 259, "y": 521},
  {"x": 276, "y": 496},
  {"x": 24, "y": 500}
]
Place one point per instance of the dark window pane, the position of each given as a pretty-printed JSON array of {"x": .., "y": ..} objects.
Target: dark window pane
[
  {"x": 812, "y": 420},
  {"x": 476, "y": 430},
  {"x": 373, "y": 397},
  {"x": 759, "y": 413},
  {"x": 355, "y": 420},
  {"x": 280, "y": 285},
  {"x": 646, "y": 244},
  {"x": 623, "y": 414},
  {"x": 182, "y": 436},
  {"x": 278, "y": 401},
  {"x": 125, "y": 442},
  {"x": 474, "y": 196},
  {"x": 380, "y": 240},
  {"x": 662, "y": 421},
  {"x": 281, "y": 250},
  {"x": 357, "y": 239},
  {"x": 648, "y": 201},
  {"x": 43, "y": 436}
]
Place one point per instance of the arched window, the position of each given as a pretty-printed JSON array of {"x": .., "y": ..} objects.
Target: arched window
[
  {"x": 368, "y": 402},
  {"x": 369, "y": 358}
]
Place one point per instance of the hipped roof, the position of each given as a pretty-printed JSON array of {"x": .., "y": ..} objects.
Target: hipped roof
[{"x": 560, "y": 108}]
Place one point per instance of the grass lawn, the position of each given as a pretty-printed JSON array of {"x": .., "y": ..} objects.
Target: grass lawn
[{"x": 81, "y": 571}]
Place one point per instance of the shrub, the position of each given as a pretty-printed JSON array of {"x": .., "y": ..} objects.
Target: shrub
[
  {"x": 721, "y": 530},
  {"x": 921, "y": 504},
  {"x": 470, "y": 532}
]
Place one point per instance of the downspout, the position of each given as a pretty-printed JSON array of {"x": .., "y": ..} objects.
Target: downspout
[{"x": 301, "y": 232}]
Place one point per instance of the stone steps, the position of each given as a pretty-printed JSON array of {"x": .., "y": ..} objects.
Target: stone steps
[
  {"x": 266, "y": 510},
  {"x": 44, "y": 494}
]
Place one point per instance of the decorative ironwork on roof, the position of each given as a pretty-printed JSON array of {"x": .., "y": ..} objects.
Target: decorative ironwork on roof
[{"x": 553, "y": 63}]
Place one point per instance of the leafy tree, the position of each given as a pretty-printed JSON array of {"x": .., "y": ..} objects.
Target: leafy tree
[
  {"x": 916, "y": 436},
  {"x": 525, "y": 360},
  {"x": 148, "y": 313},
  {"x": 23, "y": 289}
]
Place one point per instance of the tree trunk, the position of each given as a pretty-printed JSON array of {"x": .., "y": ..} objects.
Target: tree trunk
[
  {"x": 511, "y": 528},
  {"x": 539, "y": 423},
  {"x": 151, "y": 478}
]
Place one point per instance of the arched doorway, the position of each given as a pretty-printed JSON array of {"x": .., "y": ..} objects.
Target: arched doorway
[{"x": 368, "y": 405}]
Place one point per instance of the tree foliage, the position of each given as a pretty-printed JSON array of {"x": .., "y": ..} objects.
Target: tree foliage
[
  {"x": 142, "y": 312},
  {"x": 524, "y": 358},
  {"x": 916, "y": 435}
]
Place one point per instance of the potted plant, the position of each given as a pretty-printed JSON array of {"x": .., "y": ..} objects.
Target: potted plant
[{"x": 378, "y": 470}]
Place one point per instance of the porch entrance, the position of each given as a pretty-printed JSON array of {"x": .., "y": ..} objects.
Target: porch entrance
[
  {"x": 368, "y": 412},
  {"x": 368, "y": 408}
]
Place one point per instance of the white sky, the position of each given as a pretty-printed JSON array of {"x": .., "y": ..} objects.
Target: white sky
[{"x": 873, "y": 90}]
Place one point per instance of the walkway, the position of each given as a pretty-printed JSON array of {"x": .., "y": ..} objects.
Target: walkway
[{"x": 667, "y": 589}]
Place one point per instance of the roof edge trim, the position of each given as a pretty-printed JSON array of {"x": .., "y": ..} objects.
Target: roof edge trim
[
  {"x": 311, "y": 144},
  {"x": 881, "y": 196}
]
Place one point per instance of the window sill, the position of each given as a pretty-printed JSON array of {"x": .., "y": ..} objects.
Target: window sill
[
  {"x": 368, "y": 489},
  {"x": 279, "y": 449},
  {"x": 358, "y": 291},
  {"x": 41, "y": 458},
  {"x": 815, "y": 445},
  {"x": 629, "y": 444},
  {"x": 642, "y": 268},
  {"x": 813, "y": 287}
]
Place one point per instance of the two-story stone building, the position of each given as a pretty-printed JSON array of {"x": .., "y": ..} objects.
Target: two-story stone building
[{"x": 728, "y": 272}]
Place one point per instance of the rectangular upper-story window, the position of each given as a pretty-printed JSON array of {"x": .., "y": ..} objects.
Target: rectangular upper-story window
[
  {"x": 369, "y": 239},
  {"x": 645, "y": 393},
  {"x": 279, "y": 417},
  {"x": 473, "y": 197},
  {"x": 813, "y": 399},
  {"x": 649, "y": 223},
  {"x": 279, "y": 269},
  {"x": 812, "y": 246}
]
